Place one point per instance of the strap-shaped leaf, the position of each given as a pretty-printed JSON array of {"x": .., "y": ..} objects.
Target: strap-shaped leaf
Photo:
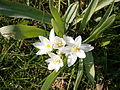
[
  {"x": 22, "y": 31},
  {"x": 79, "y": 75},
  {"x": 14, "y": 9},
  {"x": 105, "y": 17},
  {"x": 70, "y": 14},
  {"x": 103, "y": 3},
  {"x": 57, "y": 28},
  {"x": 89, "y": 12},
  {"x": 89, "y": 66},
  {"x": 100, "y": 29},
  {"x": 57, "y": 17},
  {"x": 50, "y": 79}
]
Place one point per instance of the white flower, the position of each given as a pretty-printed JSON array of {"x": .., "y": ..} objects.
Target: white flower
[
  {"x": 45, "y": 45},
  {"x": 58, "y": 42},
  {"x": 75, "y": 49},
  {"x": 55, "y": 62}
]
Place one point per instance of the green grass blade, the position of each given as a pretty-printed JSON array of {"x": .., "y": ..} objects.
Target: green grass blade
[
  {"x": 79, "y": 75},
  {"x": 89, "y": 67},
  {"x": 14, "y": 9},
  {"x": 57, "y": 17},
  {"x": 50, "y": 79},
  {"x": 100, "y": 29},
  {"x": 105, "y": 17},
  {"x": 70, "y": 14},
  {"x": 20, "y": 32},
  {"x": 103, "y": 3},
  {"x": 89, "y": 12}
]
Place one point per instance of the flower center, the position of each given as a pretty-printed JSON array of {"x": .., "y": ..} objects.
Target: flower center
[
  {"x": 60, "y": 44},
  {"x": 57, "y": 61},
  {"x": 48, "y": 45},
  {"x": 75, "y": 48}
]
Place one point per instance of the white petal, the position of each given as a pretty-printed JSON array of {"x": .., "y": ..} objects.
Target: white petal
[
  {"x": 52, "y": 35},
  {"x": 66, "y": 50},
  {"x": 81, "y": 54},
  {"x": 48, "y": 60},
  {"x": 52, "y": 55},
  {"x": 42, "y": 38},
  {"x": 38, "y": 45},
  {"x": 78, "y": 41},
  {"x": 51, "y": 66},
  {"x": 86, "y": 47},
  {"x": 57, "y": 68},
  {"x": 69, "y": 40},
  {"x": 71, "y": 60},
  {"x": 41, "y": 52}
]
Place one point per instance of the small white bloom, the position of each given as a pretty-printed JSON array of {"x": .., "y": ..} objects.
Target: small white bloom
[
  {"x": 75, "y": 49},
  {"x": 55, "y": 62},
  {"x": 58, "y": 42},
  {"x": 45, "y": 45}
]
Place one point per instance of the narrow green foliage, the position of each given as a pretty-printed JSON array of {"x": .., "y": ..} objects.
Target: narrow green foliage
[
  {"x": 79, "y": 75},
  {"x": 57, "y": 17},
  {"x": 89, "y": 67},
  {"x": 100, "y": 29},
  {"x": 77, "y": 19},
  {"x": 57, "y": 28},
  {"x": 22, "y": 31},
  {"x": 89, "y": 12},
  {"x": 14, "y": 9},
  {"x": 50, "y": 79},
  {"x": 105, "y": 17},
  {"x": 103, "y": 3},
  {"x": 70, "y": 14}
]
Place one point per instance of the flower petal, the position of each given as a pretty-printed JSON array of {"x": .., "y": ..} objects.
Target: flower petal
[
  {"x": 42, "y": 38},
  {"x": 52, "y": 55},
  {"x": 71, "y": 59},
  {"x": 41, "y": 52},
  {"x": 66, "y": 50},
  {"x": 69, "y": 40},
  {"x": 51, "y": 66},
  {"x": 81, "y": 54},
  {"x": 48, "y": 60},
  {"x": 52, "y": 35},
  {"x": 38, "y": 45},
  {"x": 57, "y": 68},
  {"x": 86, "y": 47},
  {"x": 78, "y": 41}
]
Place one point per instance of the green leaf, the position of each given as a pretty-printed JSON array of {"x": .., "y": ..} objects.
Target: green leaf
[
  {"x": 100, "y": 29},
  {"x": 22, "y": 31},
  {"x": 103, "y": 3},
  {"x": 105, "y": 17},
  {"x": 89, "y": 66},
  {"x": 57, "y": 17},
  {"x": 50, "y": 79},
  {"x": 57, "y": 28},
  {"x": 14, "y": 9},
  {"x": 79, "y": 75},
  {"x": 89, "y": 12},
  {"x": 70, "y": 14},
  {"x": 77, "y": 19}
]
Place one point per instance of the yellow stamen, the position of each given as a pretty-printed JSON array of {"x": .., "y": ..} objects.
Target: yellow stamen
[
  {"x": 48, "y": 45},
  {"x": 60, "y": 44},
  {"x": 57, "y": 61},
  {"x": 76, "y": 48}
]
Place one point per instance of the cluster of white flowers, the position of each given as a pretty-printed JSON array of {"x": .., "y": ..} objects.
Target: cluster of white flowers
[{"x": 66, "y": 45}]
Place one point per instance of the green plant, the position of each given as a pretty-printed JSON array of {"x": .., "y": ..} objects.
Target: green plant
[{"x": 61, "y": 26}]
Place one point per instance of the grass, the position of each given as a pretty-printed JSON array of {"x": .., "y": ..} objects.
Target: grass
[{"x": 21, "y": 68}]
